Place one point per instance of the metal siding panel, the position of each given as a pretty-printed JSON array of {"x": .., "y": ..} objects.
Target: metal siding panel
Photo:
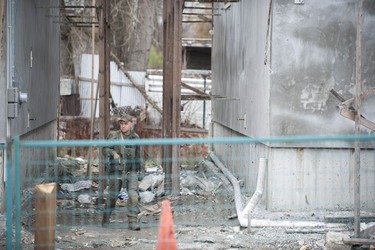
[
  {"x": 317, "y": 179},
  {"x": 34, "y": 30},
  {"x": 239, "y": 72},
  {"x": 194, "y": 109}
]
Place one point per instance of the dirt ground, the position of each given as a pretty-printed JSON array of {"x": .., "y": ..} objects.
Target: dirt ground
[
  {"x": 204, "y": 218},
  {"x": 201, "y": 222}
]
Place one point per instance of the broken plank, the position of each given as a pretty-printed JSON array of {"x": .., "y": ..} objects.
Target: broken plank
[
  {"x": 349, "y": 218},
  {"x": 45, "y": 216},
  {"x": 198, "y": 91},
  {"x": 363, "y": 121},
  {"x": 313, "y": 230},
  {"x": 138, "y": 87},
  {"x": 359, "y": 241}
]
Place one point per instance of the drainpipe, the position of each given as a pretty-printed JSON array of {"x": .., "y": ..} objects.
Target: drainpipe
[
  {"x": 204, "y": 102},
  {"x": 259, "y": 189},
  {"x": 243, "y": 214}
]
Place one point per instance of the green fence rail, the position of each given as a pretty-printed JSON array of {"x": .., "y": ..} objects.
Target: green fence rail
[{"x": 300, "y": 177}]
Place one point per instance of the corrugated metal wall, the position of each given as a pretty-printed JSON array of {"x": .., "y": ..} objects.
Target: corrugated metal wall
[
  {"x": 238, "y": 70},
  {"x": 123, "y": 92},
  {"x": 36, "y": 63},
  {"x": 194, "y": 112},
  {"x": 30, "y": 60}
]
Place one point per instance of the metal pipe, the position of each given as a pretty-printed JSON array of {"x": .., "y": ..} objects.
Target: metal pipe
[
  {"x": 259, "y": 188},
  {"x": 357, "y": 106},
  {"x": 204, "y": 102},
  {"x": 243, "y": 214}
]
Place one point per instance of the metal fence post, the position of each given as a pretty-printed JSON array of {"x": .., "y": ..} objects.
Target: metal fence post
[
  {"x": 17, "y": 189},
  {"x": 9, "y": 205}
]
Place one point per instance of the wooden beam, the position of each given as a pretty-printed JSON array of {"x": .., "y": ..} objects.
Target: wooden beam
[
  {"x": 199, "y": 92},
  {"x": 348, "y": 111},
  {"x": 104, "y": 80},
  {"x": 195, "y": 97},
  {"x": 348, "y": 218},
  {"x": 104, "y": 73},
  {"x": 45, "y": 216},
  {"x": 359, "y": 241},
  {"x": 362, "y": 120},
  {"x": 137, "y": 86},
  {"x": 172, "y": 54}
]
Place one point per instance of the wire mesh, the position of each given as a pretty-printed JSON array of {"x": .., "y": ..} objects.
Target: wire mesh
[{"x": 309, "y": 179}]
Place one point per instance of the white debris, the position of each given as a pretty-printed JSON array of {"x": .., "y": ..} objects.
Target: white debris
[
  {"x": 76, "y": 186},
  {"x": 84, "y": 199},
  {"x": 147, "y": 196}
]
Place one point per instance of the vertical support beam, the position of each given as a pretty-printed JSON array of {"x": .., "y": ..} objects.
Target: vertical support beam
[
  {"x": 172, "y": 34},
  {"x": 9, "y": 195},
  {"x": 104, "y": 78},
  {"x": 92, "y": 118},
  {"x": 17, "y": 189},
  {"x": 357, "y": 104},
  {"x": 104, "y": 68}
]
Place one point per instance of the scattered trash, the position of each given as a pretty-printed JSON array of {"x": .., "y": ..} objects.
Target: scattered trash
[
  {"x": 237, "y": 229},
  {"x": 152, "y": 170},
  {"x": 123, "y": 195}
]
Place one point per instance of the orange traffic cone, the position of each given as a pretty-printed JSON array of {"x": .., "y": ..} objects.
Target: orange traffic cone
[{"x": 166, "y": 238}]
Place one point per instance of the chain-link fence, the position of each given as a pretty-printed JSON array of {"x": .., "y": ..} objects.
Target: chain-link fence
[{"x": 64, "y": 189}]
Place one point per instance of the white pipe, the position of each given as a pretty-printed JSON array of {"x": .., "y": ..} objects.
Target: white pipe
[
  {"x": 233, "y": 180},
  {"x": 306, "y": 224},
  {"x": 242, "y": 214},
  {"x": 259, "y": 188}
]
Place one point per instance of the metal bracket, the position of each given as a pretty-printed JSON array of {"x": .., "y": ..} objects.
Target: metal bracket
[
  {"x": 13, "y": 95},
  {"x": 15, "y": 98},
  {"x": 12, "y": 110}
]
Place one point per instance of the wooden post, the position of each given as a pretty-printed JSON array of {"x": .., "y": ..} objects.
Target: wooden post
[
  {"x": 92, "y": 102},
  {"x": 45, "y": 218},
  {"x": 104, "y": 81},
  {"x": 104, "y": 74},
  {"x": 357, "y": 104},
  {"x": 172, "y": 34}
]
